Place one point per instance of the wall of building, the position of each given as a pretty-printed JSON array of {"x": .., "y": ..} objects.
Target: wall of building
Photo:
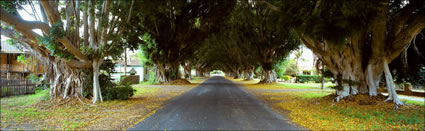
[{"x": 120, "y": 71}]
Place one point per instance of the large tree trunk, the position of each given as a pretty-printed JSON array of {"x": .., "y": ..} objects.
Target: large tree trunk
[
  {"x": 97, "y": 95},
  {"x": 268, "y": 77},
  {"x": 64, "y": 81},
  {"x": 249, "y": 74},
  {"x": 237, "y": 74},
  {"x": 187, "y": 71},
  {"x": 274, "y": 75},
  {"x": 161, "y": 75},
  {"x": 166, "y": 72},
  {"x": 354, "y": 68},
  {"x": 198, "y": 72}
]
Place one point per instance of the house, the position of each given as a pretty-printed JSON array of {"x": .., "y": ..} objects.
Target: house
[
  {"x": 123, "y": 68},
  {"x": 11, "y": 69}
]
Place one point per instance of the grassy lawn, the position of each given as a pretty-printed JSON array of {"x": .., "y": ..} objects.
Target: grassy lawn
[
  {"x": 317, "y": 111},
  {"x": 287, "y": 86},
  {"x": 38, "y": 112},
  {"x": 419, "y": 103},
  {"x": 307, "y": 85},
  {"x": 198, "y": 80},
  {"x": 252, "y": 83}
]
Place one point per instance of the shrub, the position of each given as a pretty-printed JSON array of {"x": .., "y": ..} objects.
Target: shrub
[
  {"x": 34, "y": 78},
  {"x": 286, "y": 77},
  {"x": 307, "y": 78},
  {"x": 121, "y": 92}
]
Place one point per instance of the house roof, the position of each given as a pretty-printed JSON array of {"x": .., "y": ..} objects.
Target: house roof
[
  {"x": 130, "y": 61},
  {"x": 7, "y": 48}
]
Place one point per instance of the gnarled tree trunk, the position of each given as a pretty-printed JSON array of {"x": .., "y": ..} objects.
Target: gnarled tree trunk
[{"x": 269, "y": 77}]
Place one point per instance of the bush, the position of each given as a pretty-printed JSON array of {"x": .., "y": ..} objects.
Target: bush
[
  {"x": 286, "y": 78},
  {"x": 34, "y": 78},
  {"x": 307, "y": 78},
  {"x": 121, "y": 92}
]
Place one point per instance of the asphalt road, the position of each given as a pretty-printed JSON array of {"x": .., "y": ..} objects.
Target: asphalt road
[{"x": 216, "y": 104}]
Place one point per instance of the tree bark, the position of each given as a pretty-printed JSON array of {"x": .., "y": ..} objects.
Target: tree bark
[
  {"x": 97, "y": 95},
  {"x": 392, "y": 94},
  {"x": 187, "y": 71},
  {"x": 268, "y": 77}
]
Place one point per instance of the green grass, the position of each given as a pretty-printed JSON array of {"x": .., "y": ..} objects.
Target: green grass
[
  {"x": 419, "y": 103},
  {"x": 306, "y": 85},
  {"x": 146, "y": 83},
  {"x": 25, "y": 100},
  {"x": 310, "y": 95},
  {"x": 389, "y": 117},
  {"x": 194, "y": 78},
  {"x": 18, "y": 108},
  {"x": 142, "y": 90}
]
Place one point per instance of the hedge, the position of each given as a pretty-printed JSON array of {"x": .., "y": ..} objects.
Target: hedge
[{"x": 307, "y": 78}]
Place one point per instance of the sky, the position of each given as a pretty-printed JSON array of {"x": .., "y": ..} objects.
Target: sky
[
  {"x": 308, "y": 59},
  {"x": 27, "y": 17}
]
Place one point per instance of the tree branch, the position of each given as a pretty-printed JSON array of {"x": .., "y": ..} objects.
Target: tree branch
[
  {"x": 22, "y": 25},
  {"x": 41, "y": 51},
  {"x": 65, "y": 42},
  {"x": 269, "y": 5},
  {"x": 51, "y": 10},
  {"x": 402, "y": 17},
  {"x": 25, "y": 27},
  {"x": 403, "y": 39},
  {"x": 92, "y": 19},
  {"x": 105, "y": 28}
]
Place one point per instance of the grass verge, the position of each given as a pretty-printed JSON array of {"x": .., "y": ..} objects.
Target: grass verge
[
  {"x": 30, "y": 112},
  {"x": 306, "y": 85},
  {"x": 317, "y": 111},
  {"x": 419, "y": 103}
]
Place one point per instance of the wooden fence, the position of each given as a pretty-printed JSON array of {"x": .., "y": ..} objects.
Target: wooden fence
[{"x": 16, "y": 87}]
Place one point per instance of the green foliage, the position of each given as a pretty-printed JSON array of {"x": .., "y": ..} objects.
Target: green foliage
[
  {"x": 160, "y": 32},
  {"x": 121, "y": 92},
  {"x": 308, "y": 78},
  {"x": 33, "y": 78},
  {"x": 279, "y": 67},
  {"x": 286, "y": 77},
  {"x": 344, "y": 17},
  {"x": 25, "y": 60},
  {"x": 12, "y": 6},
  {"x": 152, "y": 77},
  {"x": 142, "y": 57},
  {"x": 290, "y": 68},
  {"x": 49, "y": 42},
  {"x": 93, "y": 53},
  {"x": 110, "y": 90},
  {"x": 107, "y": 66}
]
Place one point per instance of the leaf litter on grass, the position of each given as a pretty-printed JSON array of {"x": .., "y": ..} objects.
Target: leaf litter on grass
[
  {"x": 317, "y": 111},
  {"x": 64, "y": 114}
]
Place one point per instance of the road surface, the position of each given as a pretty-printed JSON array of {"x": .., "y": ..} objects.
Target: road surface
[{"x": 216, "y": 104}]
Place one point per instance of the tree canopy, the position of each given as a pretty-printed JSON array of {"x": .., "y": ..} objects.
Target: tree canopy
[{"x": 355, "y": 39}]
